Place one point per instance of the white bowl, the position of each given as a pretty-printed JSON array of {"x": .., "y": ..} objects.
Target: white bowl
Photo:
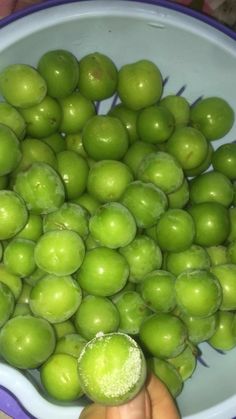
[{"x": 196, "y": 54}]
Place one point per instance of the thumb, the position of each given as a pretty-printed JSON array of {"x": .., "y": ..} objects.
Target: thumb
[
  {"x": 93, "y": 411},
  {"x": 137, "y": 408},
  {"x": 6, "y": 8}
]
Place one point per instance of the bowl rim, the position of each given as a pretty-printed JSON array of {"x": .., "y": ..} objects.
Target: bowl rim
[{"x": 168, "y": 4}]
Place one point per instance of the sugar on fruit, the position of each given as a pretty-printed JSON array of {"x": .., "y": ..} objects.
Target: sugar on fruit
[{"x": 112, "y": 368}]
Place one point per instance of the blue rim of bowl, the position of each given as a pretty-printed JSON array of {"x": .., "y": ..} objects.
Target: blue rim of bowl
[{"x": 45, "y": 4}]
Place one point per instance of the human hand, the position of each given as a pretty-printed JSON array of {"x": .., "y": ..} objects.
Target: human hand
[
  {"x": 153, "y": 402},
  {"x": 7, "y": 7}
]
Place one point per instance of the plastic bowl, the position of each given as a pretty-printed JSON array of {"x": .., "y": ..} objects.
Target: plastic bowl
[{"x": 196, "y": 55}]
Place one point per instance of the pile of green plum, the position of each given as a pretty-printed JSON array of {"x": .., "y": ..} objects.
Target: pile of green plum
[{"x": 119, "y": 225}]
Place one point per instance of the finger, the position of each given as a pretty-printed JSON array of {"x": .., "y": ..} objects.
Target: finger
[
  {"x": 93, "y": 411},
  {"x": 6, "y": 7},
  {"x": 137, "y": 408},
  {"x": 163, "y": 404},
  {"x": 21, "y": 4}
]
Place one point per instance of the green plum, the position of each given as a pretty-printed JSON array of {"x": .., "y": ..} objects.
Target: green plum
[
  {"x": 22, "y": 341},
  {"x": 98, "y": 76},
  {"x": 14, "y": 214},
  {"x": 175, "y": 230},
  {"x": 143, "y": 256},
  {"x": 41, "y": 188},
  {"x": 163, "y": 335},
  {"x": 112, "y": 225},
  {"x": 66, "y": 250},
  {"x": 112, "y": 369},
  {"x": 145, "y": 201},
  {"x": 104, "y": 272},
  {"x": 213, "y": 116},
  {"x": 60, "y": 70},
  {"x": 198, "y": 292},
  {"x": 161, "y": 169},
  {"x": 96, "y": 315},
  {"x": 55, "y": 298},
  {"x": 60, "y": 378},
  {"x": 22, "y": 85},
  {"x": 139, "y": 84},
  {"x": 158, "y": 291}
]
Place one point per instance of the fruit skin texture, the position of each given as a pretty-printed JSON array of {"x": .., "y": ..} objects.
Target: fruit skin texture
[
  {"x": 194, "y": 257},
  {"x": 104, "y": 272},
  {"x": 108, "y": 179},
  {"x": 185, "y": 362},
  {"x": 104, "y": 137},
  {"x": 200, "y": 329},
  {"x": 161, "y": 169},
  {"x": 175, "y": 230},
  {"x": 34, "y": 150},
  {"x": 42, "y": 119},
  {"x": 76, "y": 111},
  {"x": 97, "y": 76},
  {"x": 226, "y": 275},
  {"x": 213, "y": 116},
  {"x": 129, "y": 118},
  {"x": 179, "y": 107},
  {"x": 19, "y": 257},
  {"x": 139, "y": 84},
  {"x": 189, "y": 146},
  {"x": 73, "y": 170},
  {"x": 143, "y": 256},
  {"x": 145, "y": 201},
  {"x": 224, "y": 160},
  {"x": 69, "y": 216},
  {"x": 60, "y": 378},
  {"x": 212, "y": 224},
  {"x": 136, "y": 153},
  {"x": 168, "y": 374},
  {"x": 155, "y": 124},
  {"x": 55, "y": 298},
  {"x": 65, "y": 248},
  {"x": 203, "y": 166},
  {"x": 198, "y": 293},
  {"x": 211, "y": 186},
  {"x": 224, "y": 337},
  {"x": 11, "y": 117},
  {"x": 14, "y": 282},
  {"x": 158, "y": 291},
  {"x": 71, "y": 344},
  {"x": 60, "y": 70},
  {"x": 22, "y": 85},
  {"x": 96, "y": 315},
  {"x": 41, "y": 188},
  {"x": 7, "y": 303},
  {"x": 163, "y": 335},
  {"x": 10, "y": 152},
  {"x": 22, "y": 341},
  {"x": 132, "y": 310},
  {"x": 112, "y": 225},
  {"x": 112, "y": 369},
  {"x": 14, "y": 214}
]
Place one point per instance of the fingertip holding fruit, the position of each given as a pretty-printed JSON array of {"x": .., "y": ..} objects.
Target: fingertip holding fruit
[{"x": 112, "y": 368}]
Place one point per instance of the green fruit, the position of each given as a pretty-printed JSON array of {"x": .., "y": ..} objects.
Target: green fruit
[{"x": 112, "y": 369}]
